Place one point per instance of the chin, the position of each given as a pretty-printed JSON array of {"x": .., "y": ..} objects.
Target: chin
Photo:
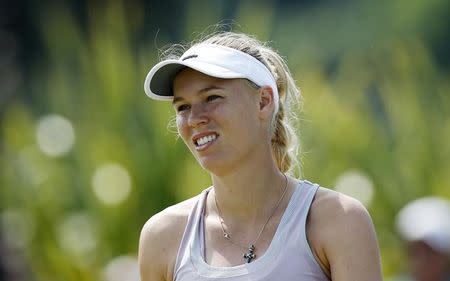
[{"x": 214, "y": 165}]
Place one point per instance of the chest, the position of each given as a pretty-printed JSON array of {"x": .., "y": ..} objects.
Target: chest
[{"x": 239, "y": 246}]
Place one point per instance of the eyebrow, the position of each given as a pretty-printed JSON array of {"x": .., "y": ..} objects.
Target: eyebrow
[{"x": 204, "y": 90}]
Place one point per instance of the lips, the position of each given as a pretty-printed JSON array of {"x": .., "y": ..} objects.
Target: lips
[{"x": 204, "y": 139}]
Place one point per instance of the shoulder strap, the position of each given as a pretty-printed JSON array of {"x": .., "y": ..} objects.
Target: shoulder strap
[
  {"x": 190, "y": 231},
  {"x": 301, "y": 203}
]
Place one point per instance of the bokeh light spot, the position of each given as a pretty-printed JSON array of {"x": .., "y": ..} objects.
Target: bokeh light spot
[
  {"x": 55, "y": 135},
  {"x": 18, "y": 227},
  {"x": 111, "y": 184},
  {"x": 77, "y": 234},
  {"x": 123, "y": 268},
  {"x": 357, "y": 185}
]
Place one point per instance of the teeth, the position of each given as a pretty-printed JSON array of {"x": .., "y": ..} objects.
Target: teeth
[{"x": 205, "y": 139}]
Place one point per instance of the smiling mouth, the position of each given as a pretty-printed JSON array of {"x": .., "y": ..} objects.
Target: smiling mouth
[{"x": 205, "y": 140}]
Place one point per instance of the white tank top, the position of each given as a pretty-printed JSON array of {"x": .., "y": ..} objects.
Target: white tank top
[{"x": 288, "y": 257}]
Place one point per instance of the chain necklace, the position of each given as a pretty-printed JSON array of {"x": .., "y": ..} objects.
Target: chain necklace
[{"x": 249, "y": 255}]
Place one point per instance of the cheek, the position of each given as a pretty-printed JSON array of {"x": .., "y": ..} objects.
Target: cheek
[
  {"x": 182, "y": 126},
  {"x": 245, "y": 117}
]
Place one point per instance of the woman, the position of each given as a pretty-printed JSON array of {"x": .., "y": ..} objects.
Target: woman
[{"x": 230, "y": 93}]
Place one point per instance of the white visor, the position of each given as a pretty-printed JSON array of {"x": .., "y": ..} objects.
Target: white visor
[
  {"x": 426, "y": 219},
  {"x": 213, "y": 60}
]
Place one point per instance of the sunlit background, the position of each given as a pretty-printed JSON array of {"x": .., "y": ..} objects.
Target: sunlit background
[{"x": 86, "y": 158}]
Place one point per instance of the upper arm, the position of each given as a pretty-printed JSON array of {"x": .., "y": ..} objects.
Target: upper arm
[
  {"x": 159, "y": 242},
  {"x": 351, "y": 247},
  {"x": 152, "y": 255},
  {"x": 343, "y": 238}
]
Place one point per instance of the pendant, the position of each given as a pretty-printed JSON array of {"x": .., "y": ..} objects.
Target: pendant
[{"x": 249, "y": 256}]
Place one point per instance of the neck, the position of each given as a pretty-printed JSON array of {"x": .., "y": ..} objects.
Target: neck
[{"x": 249, "y": 194}]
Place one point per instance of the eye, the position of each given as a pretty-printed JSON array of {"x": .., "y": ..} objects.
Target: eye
[
  {"x": 213, "y": 97},
  {"x": 182, "y": 107}
]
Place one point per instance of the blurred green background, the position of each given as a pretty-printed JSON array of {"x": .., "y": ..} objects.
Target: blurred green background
[{"x": 86, "y": 158}]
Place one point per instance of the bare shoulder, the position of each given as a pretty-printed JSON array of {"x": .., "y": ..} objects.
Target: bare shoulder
[
  {"x": 333, "y": 214},
  {"x": 335, "y": 208},
  {"x": 169, "y": 219},
  {"x": 160, "y": 239},
  {"x": 341, "y": 233}
]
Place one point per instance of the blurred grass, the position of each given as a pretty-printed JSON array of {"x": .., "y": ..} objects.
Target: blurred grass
[{"x": 375, "y": 100}]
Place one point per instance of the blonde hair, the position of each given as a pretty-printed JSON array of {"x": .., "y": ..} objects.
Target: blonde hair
[{"x": 284, "y": 140}]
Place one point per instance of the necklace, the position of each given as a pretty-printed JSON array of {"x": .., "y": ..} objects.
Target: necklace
[{"x": 249, "y": 255}]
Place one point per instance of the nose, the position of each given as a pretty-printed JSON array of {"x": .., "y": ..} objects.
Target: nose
[{"x": 198, "y": 115}]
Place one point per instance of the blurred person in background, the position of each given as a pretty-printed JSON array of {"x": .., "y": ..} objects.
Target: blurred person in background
[
  {"x": 424, "y": 224},
  {"x": 232, "y": 95}
]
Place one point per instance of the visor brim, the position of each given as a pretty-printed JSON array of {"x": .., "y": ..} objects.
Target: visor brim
[{"x": 159, "y": 81}]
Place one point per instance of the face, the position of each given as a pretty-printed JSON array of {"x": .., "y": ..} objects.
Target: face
[{"x": 220, "y": 120}]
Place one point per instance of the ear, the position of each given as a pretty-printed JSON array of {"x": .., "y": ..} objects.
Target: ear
[{"x": 266, "y": 102}]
